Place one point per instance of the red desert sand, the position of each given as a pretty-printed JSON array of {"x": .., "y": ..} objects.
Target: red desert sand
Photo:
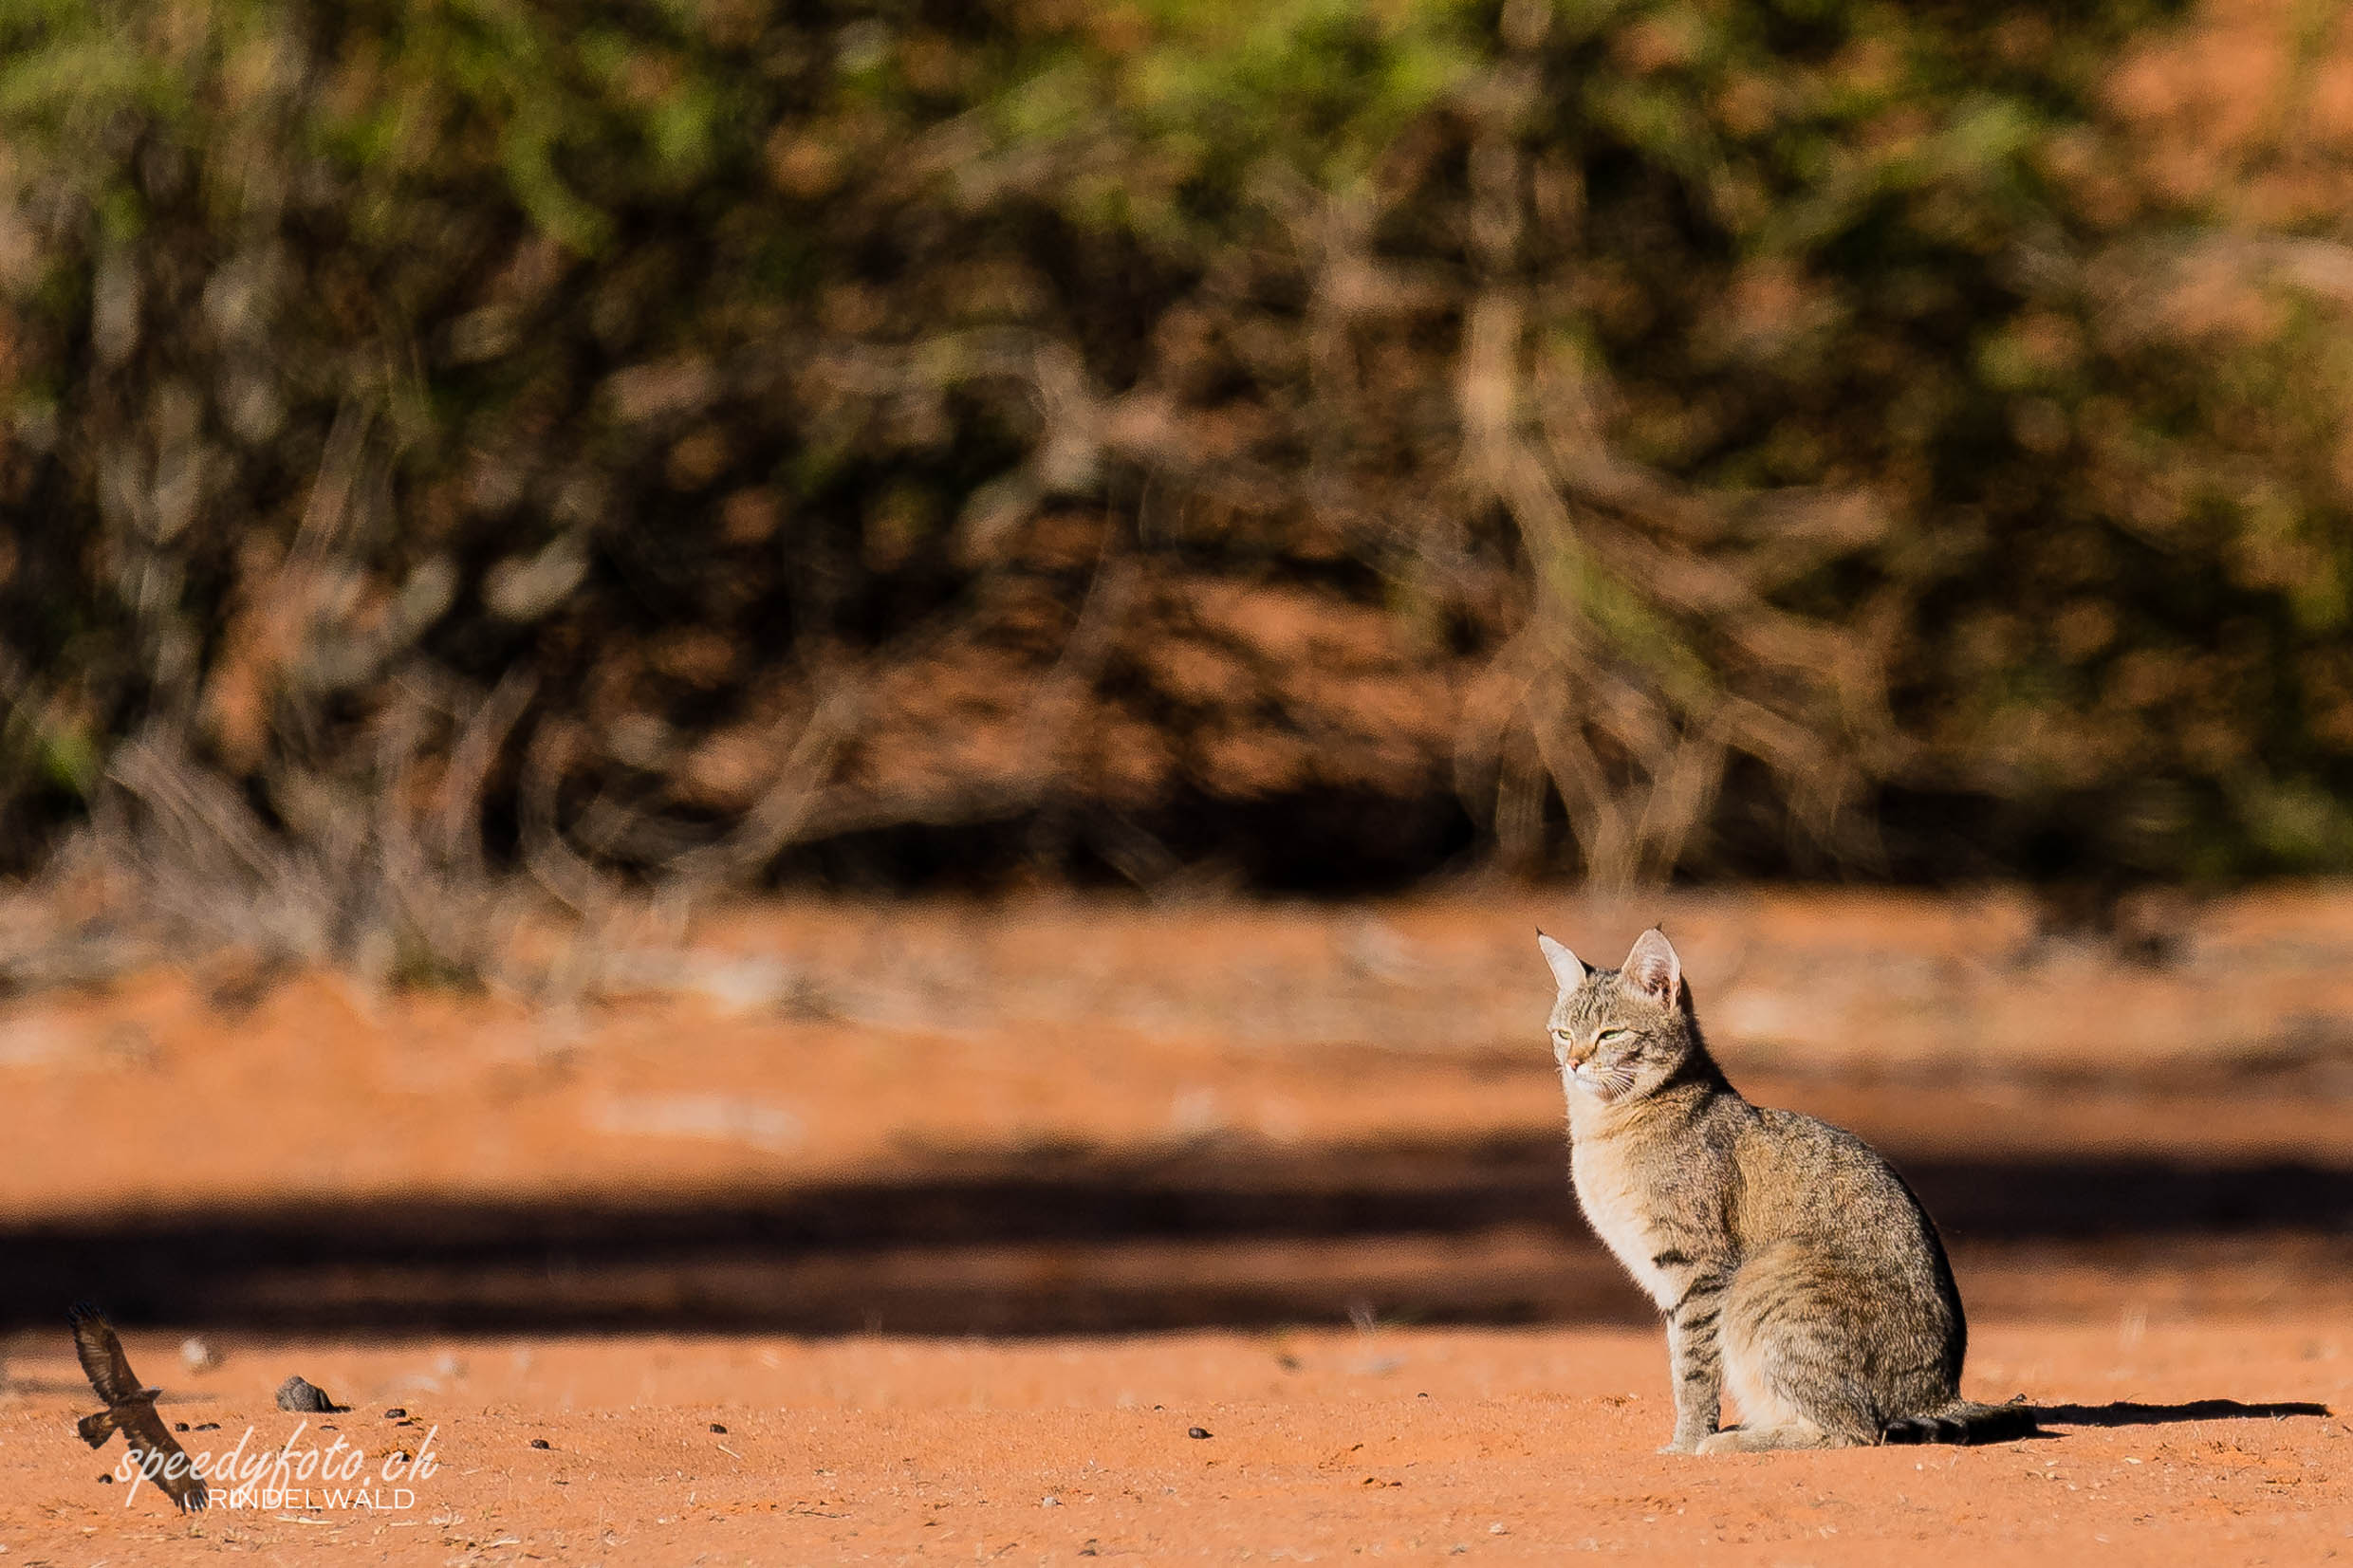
[{"x": 1333, "y": 1129}]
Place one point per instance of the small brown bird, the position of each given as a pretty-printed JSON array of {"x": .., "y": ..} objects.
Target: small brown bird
[{"x": 131, "y": 1410}]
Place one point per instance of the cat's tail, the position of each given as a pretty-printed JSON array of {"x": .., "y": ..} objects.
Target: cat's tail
[{"x": 1964, "y": 1422}]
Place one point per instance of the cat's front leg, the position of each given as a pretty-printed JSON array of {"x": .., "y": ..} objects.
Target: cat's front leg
[{"x": 1695, "y": 1363}]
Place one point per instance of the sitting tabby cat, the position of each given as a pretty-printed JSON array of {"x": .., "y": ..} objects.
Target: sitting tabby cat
[{"x": 1791, "y": 1263}]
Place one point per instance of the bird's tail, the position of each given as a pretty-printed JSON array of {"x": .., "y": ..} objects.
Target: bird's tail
[
  {"x": 1965, "y": 1422},
  {"x": 95, "y": 1430}
]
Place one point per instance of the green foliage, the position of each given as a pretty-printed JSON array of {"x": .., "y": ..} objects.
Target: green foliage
[{"x": 703, "y": 363}]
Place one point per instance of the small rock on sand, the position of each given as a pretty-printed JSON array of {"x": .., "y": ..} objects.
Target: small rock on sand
[{"x": 298, "y": 1393}]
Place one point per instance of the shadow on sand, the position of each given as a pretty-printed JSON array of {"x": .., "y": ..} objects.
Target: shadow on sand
[
  {"x": 2126, "y": 1412},
  {"x": 1051, "y": 1241}
]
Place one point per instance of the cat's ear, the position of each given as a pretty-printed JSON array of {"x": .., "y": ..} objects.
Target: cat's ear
[
  {"x": 1652, "y": 969},
  {"x": 1568, "y": 970}
]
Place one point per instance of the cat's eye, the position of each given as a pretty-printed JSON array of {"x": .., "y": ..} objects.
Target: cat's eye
[
  {"x": 1560, "y": 1034},
  {"x": 1606, "y": 1036}
]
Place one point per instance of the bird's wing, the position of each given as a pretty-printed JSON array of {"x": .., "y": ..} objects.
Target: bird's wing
[
  {"x": 144, "y": 1428},
  {"x": 102, "y": 1357}
]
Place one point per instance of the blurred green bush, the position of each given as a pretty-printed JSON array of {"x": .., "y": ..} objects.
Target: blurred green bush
[{"x": 706, "y": 439}]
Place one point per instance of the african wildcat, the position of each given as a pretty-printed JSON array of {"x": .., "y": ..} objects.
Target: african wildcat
[{"x": 1790, "y": 1259}]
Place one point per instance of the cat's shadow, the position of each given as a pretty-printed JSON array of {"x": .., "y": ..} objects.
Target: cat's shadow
[{"x": 2130, "y": 1413}]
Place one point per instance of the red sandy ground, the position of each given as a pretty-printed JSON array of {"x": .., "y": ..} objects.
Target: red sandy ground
[
  {"x": 864, "y": 1040},
  {"x": 1521, "y": 1445}
]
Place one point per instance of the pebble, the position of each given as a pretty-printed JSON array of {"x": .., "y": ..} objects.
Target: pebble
[
  {"x": 396, "y": 1414},
  {"x": 717, "y": 1428},
  {"x": 1049, "y": 1503},
  {"x": 179, "y": 1426},
  {"x": 300, "y": 1394},
  {"x": 539, "y": 1441},
  {"x": 1196, "y": 1431}
]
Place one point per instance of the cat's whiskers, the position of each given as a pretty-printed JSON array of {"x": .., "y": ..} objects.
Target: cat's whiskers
[{"x": 1603, "y": 1082}]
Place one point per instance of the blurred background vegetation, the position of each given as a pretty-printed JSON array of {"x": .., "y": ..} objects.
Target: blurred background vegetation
[{"x": 1294, "y": 443}]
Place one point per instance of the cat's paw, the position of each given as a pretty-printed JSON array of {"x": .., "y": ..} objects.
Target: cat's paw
[
  {"x": 1685, "y": 1443},
  {"x": 1719, "y": 1443}
]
